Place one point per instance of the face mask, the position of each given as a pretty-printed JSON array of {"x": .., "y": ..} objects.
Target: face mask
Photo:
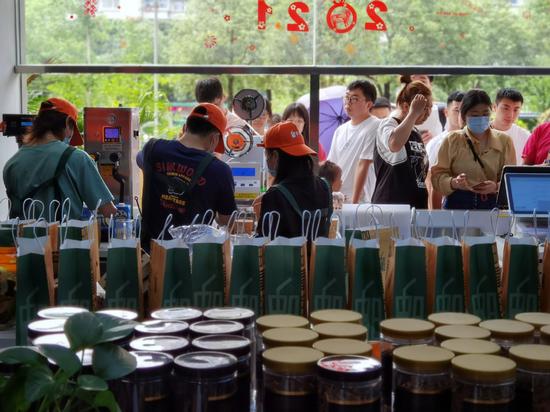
[{"x": 478, "y": 124}]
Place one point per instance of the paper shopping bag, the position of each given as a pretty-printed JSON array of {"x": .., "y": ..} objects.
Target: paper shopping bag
[{"x": 545, "y": 285}]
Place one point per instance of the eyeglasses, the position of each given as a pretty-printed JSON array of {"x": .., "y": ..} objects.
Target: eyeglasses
[{"x": 351, "y": 99}]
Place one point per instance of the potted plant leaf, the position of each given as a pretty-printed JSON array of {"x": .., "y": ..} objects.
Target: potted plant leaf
[{"x": 53, "y": 378}]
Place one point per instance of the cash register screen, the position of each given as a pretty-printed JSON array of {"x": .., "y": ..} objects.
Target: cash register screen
[
  {"x": 243, "y": 171},
  {"x": 111, "y": 135},
  {"x": 528, "y": 193}
]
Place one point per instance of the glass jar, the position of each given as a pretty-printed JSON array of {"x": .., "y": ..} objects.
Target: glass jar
[
  {"x": 343, "y": 347},
  {"x": 335, "y": 315},
  {"x": 172, "y": 345},
  {"x": 189, "y": 315},
  {"x": 483, "y": 383},
  {"x": 289, "y": 337},
  {"x": 471, "y": 346},
  {"x": 537, "y": 319},
  {"x": 120, "y": 313},
  {"x": 52, "y": 339},
  {"x": 241, "y": 315},
  {"x": 161, "y": 327},
  {"x": 398, "y": 332},
  {"x": 60, "y": 312},
  {"x": 443, "y": 333},
  {"x": 533, "y": 377},
  {"x": 290, "y": 382},
  {"x": 454, "y": 318},
  {"x": 205, "y": 382},
  {"x": 349, "y": 383},
  {"x": 422, "y": 378},
  {"x": 341, "y": 330},
  {"x": 507, "y": 333},
  {"x": 45, "y": 327},
  {"x": 240, "y": 347},
  {"x": 545, "y": 335},
  {"x": 147, "y": 389},
  {"x": 215, "y": 327}
]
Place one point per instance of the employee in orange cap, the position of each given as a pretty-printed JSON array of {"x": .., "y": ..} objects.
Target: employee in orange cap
[
  {"x": 296, "y": 187},
  {"x": 48, "y": 167},
  {"x": 183, "y": 178}
]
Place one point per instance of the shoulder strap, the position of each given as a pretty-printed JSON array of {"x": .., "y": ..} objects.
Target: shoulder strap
[
  {"x": 199, "y": 171},
  {"x": 289, "y": 198},
  {"x": 329, "y": 191},
  {"x": 476, "y": 156},
  {"x": 58, "y": 170}
]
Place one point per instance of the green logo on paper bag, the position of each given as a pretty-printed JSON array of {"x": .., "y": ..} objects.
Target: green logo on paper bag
[
  {"x": 449, "y": 303},
  {"x": 280, "y": 302},
  {"x": 208, "y": 298}
]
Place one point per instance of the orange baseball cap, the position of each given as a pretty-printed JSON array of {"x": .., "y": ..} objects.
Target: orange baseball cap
[
  {"x": 285, "y": 136},
  {"x": 66, "y": 107},
  {"x": 215, "y": 116}
]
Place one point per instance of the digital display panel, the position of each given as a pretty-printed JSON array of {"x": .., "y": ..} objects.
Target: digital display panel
[
  {"x": 243, "y": 171},
  {"x": 111, "y": 135},
  {"x": 528, "y": 193}
]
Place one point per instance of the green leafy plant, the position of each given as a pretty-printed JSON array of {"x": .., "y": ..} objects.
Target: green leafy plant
[{"x": 72, "y": 386}]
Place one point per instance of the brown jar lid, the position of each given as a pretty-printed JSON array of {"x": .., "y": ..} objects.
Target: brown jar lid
[
  {"x": 335, "y": 315},
  {"x": 338, "y": 346},
  {"x": 407, "y": 328},
  {"x": 545, "y": 331},
  {"x": 422, "y": 358},
  {"x": 484, "y": 368},
  {"x": 533, "y": 357},
  {"x": 537, "y": 319},
  {"x": 507, "y": 329},
  {"x": 461, "y": 332},
  {"x": 293, "y": 360},
  {"x": 281, "y": 321},
  {"x": 289, "y": 337},
  {"x": 453, "y": 318},
  {"x": 341, "y": 330},
  {"x": 471, "y": 346}
]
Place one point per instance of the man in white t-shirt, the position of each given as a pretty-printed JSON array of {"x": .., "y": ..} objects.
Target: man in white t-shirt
[
  {"x": 352, "y": 146},
  {"x": 210, "y": 90},
  {"x": 507, "y": 109},
  {"x": 454, "y": 122}
]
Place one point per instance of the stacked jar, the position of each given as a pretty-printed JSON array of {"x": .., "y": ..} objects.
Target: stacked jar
[
  {"x": 215, "y": 327},
  {"x": 60, "y": 312},
  {"x": 273, "y": 338},
  {"x": 341, "y": 331},
  {"x": 454, "y": 319},
  {"x": 120, "y": 313},
  {"x": 483, "y": 383},
  {"x": 422, "y": 379},
  {"x": 335, "y": 316},
  {"x": 343, "y": 347},
  {"x": 545, "y": 335},
  {"x": 161, "y": 327},
  {"x": 537, "y": 319},
  {"x": 443, "y": 333},
  {"x": 172, "y": 345},
  {"x": 507, "y": 333},
  {"x": 471, "y": 346},
  {"x": 185, "y": 314},
  {"x": 533, "y": 377},
  {"x": 395, "y": 333},
  {"x": 349, "y": 383},
  {"x": 290, "y": 382}
]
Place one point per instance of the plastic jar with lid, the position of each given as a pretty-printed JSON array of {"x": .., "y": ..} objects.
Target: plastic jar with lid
[
  {"x": 172, "y": 345},
  {"x": 290, "y": 381},
  {"x": 147, "y": 389},
  {"x": 189, "y": 315},
  {"x": 241, "y": 315},
  {"x": 289, "y": 337},
  {"x": 349, "y": 383},
  {"x": 60, "y": 312},
  {"x": 398, "y": 332},
  {"x": 341, "y": 330},
  {"x": 339, "y": 346},
  {"x": 532, "y": 377},
  {"x": 205, "y": 381},
  {"x": 545, "y": 335},
  {"x": 471, "y": 346},
  {"x": 45, "y": 327},
  {"x": 161, "y": 327},
  {"x": 240, "y": 347},
  {"x": 443, "y": 333},
  {"x": 422, "y": 378},
  {"x": 215, "y": 327},
  {"x": 335, "y": 315},
  {"x": 120, "y": 313},
  {"x": 537, "y": 319},
  {"x": 52, "y": 339},
  {"x": 483, "y": 383},
  {"x": 507, "y": 333},
  {"x": 454, "y": 318}
]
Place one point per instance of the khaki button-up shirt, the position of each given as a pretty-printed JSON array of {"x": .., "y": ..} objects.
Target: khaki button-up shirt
[{"x": 455, "y": 157}]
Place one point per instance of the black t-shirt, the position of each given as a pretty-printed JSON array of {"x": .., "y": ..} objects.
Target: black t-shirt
[
  {"x": 311, "y": 193},
  {"x": 400, "y": 176},
  {"x": 172, "y": 165}
]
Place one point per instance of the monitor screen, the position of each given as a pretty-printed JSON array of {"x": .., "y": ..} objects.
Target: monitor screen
[
  {"x": 528, "y": 193},
  {"x": 243, "y": 171},
  {"x": 111, "y": 135}
]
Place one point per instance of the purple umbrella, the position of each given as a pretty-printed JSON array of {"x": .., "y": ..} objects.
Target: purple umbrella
[{"x": 331, "y": 112}]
